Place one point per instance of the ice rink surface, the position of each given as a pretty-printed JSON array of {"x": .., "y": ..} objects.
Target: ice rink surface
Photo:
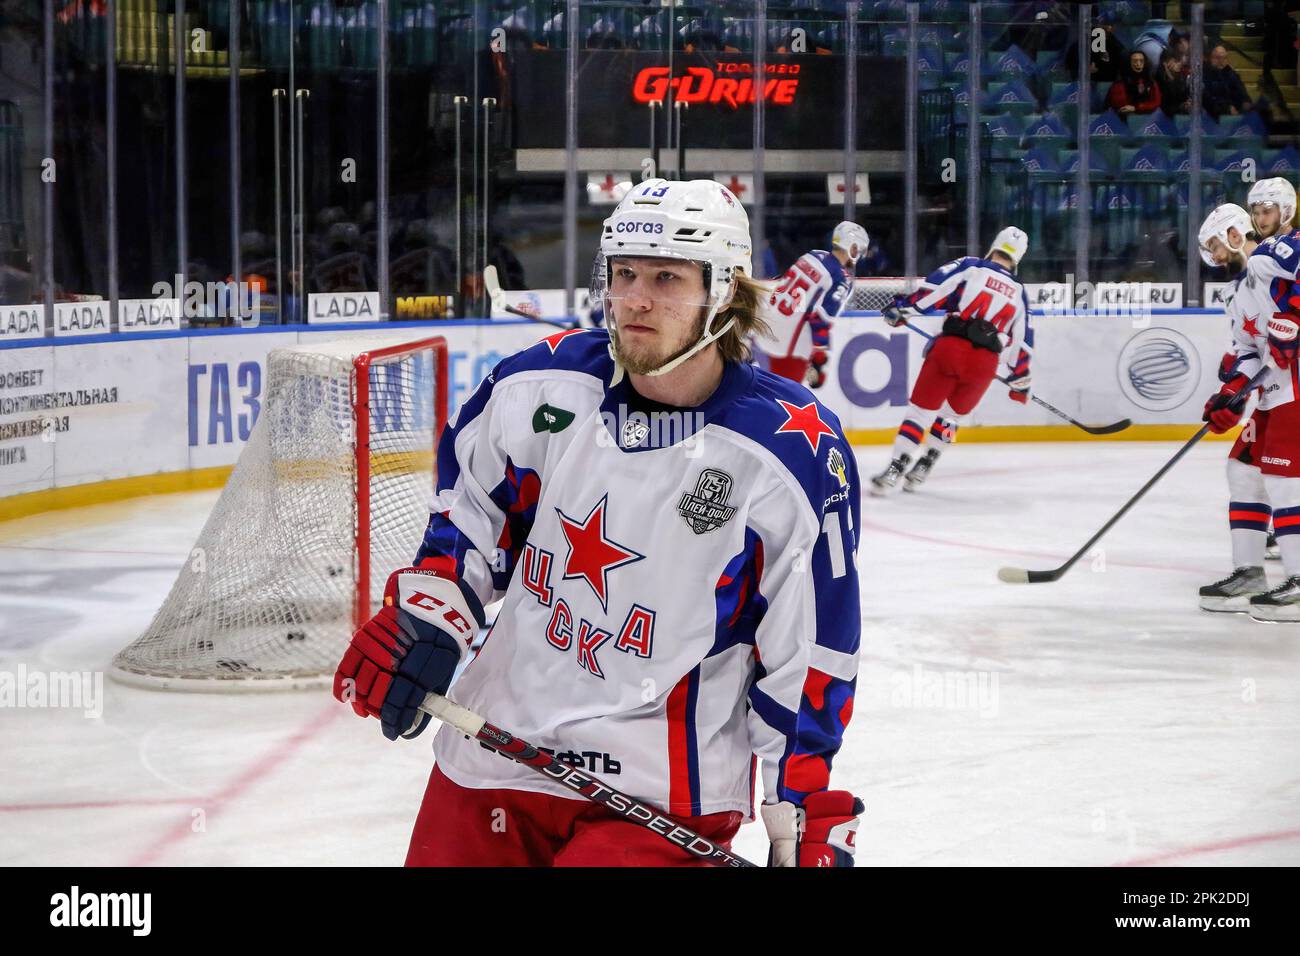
[{"x": 1100, "y": 720}]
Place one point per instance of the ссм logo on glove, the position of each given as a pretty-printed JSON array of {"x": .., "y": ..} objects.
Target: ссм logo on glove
[{"x": 426, "y": 602}]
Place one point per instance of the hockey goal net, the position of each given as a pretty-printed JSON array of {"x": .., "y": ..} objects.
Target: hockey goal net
[
  {"x": 873, "y": 294},
  {"x": 329, "y": 496}
]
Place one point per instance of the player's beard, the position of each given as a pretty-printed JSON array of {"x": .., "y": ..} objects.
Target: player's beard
[{"x": 643, "y": 360}]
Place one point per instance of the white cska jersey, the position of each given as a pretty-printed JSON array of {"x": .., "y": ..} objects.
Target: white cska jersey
[
  {"x": 1264, "y": 288},
  {"x": 680, "y": 592},
  {"x": 977, "y": 288}
]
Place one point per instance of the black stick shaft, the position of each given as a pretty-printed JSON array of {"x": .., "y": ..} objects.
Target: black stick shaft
[
  {"x": 1132, "y": 501},
  {"x": 584, "y": 784}
]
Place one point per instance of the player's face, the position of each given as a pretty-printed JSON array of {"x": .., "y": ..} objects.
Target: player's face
[
  {"x": 1219, "y": 251},
  {"x": 658, "y": 308},
  {"x": 1267, "y": 218}
]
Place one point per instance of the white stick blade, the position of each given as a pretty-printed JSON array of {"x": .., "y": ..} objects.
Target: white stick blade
[
  {"x": 1013, "y": 575},
  {"x": 491, "y": 282}
]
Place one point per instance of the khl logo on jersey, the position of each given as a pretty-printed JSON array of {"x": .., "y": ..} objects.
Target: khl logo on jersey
[
  {"x": 707, "y": 509},
  {"x": 634, "y": 433}
]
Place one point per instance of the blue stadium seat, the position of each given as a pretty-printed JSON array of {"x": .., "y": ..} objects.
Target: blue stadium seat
[
  {"x": 1048, "y": 132},
  {"x": 1012, "y": 61},
  {"x": 1155, "y": 124},
  {"x": 1041, "y": 160},
  {"x": 1285, "y": 160},
  {"x": 1012, "y": 96}
]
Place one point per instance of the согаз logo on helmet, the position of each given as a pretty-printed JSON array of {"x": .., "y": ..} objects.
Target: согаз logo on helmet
[{"x": 1159, "y": 369}]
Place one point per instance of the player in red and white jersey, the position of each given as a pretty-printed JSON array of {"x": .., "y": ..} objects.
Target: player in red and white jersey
[
  {"x": 987, "y": 323},
  {"x": 1264, "y": 463},
  {"x": 805, "y": 304},
  {"x": 671, "y": 533}
]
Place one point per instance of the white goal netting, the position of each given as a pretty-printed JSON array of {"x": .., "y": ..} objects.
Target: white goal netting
[
  {"x": 329, "y": 496},
  {"x": 873, "y": 294}
]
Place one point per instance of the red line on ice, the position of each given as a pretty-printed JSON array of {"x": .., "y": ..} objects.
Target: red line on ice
[
  {"x": 99, "y": 804},
  {"x": 1213, "y": 847},
  {"x": 255, "y": 772}
]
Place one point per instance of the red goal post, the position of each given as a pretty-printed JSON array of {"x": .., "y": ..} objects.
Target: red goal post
[{"x": 330, "y": 494}]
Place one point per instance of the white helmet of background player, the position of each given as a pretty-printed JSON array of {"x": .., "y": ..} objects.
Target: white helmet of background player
[
  {"x": 697, "y": 221},
  {"x": 852, "y": 238},
  {"x": 1277, "y": 191},
  {"x": 1012, "y": 243},
  {"x": 1216, "y": 226}
]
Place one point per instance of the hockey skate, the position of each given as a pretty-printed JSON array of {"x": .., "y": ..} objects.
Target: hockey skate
[
  {"x": 1271, "y": 550},
  {"x": 887, "y": 481},
  {"x": 1280, "y": 604},
  {"x": 1234, "y": 593},
  {"x": 920, "y": 471}
]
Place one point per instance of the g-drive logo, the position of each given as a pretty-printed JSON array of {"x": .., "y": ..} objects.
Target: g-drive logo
[{"x": 76, "y": 908}]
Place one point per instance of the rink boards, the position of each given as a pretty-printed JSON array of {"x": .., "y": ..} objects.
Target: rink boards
[{"x": 95, "y": 418}]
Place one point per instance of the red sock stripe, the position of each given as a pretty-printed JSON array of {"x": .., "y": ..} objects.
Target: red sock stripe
[
  {"x": 1286, "y": 523},
  {"x": 912, "y": 431},
  {"x": 1238, "y": 514}
]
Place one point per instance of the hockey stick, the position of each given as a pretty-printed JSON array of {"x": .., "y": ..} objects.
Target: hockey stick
[
  {"x": 1022, "y": 576},
  {"x": 1110, "y": 429},
  {"x": 498, "y": 297},
  {"x": 584, "y": 784}
]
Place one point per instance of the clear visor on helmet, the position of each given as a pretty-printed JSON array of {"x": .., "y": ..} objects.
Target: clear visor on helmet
[{"x": 670, "y": 279}]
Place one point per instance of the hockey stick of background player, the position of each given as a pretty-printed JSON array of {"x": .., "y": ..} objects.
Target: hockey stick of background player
[
  {"x": 584, "y": 784},
  {"x": 1021, "y": 576},
  {"x": 1110, "y": 429},
  {"x": 498, "y": 297}
]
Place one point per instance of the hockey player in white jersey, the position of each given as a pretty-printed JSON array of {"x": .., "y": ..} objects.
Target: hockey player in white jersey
[
  {"x": 1227, "y": 239},
  {"x": 672, "y": 535},
  {"x": 805, "y": 304},
  {"x": 987, "y": 322},
  {"x": 1266, "y": 319}
]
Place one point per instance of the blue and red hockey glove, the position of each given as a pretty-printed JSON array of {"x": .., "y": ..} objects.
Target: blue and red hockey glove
[
  {"x": 1224, "y": 408},
  {"x": 897, "y": 314},
  {"x": 1018, "y": 380},
  {"x": 816, "y": 376},
  {"x": 1282, "y": 340},
  {"x": 410, "y": 649},
  {"x": 821, "y": 832}
]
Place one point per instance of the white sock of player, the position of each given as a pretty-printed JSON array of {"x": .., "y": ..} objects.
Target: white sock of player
[
  {"x": 1284, "y": 493},
  {"x": 911, "y": 434},
  {"x": 1248, "y": 514}
]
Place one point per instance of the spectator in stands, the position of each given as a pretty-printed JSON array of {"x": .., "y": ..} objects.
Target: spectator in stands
[
  {"x": 1134, "y": 91},
  {"x": 1175, "y": 97},
  {"x": 1223, "y": 93},
  {"x": 1181, "y": 45},
  {"x": 1104, "y": 57}
]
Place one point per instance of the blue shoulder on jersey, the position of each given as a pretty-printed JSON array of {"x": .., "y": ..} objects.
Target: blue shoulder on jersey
[
  {"x": 788, "y": 421},
  {"x": 569, "y": 350},
  {"x": 1284, "y": 250}
]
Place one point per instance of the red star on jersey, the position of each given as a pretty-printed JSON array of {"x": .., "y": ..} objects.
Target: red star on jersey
[
  {"x": 1249, "y": 327},
  {"x": 805, "y": 421},
  {"x": 553, "y": 341},
  {"x": 592, "y": 555}
]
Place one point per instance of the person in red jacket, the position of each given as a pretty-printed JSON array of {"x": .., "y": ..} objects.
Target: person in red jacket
[{"x": 1134, "y": 91}]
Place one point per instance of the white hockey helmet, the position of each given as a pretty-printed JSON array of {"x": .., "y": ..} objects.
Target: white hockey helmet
[
  {"x": 1277, "y": 191},
  {"x": 852, "y": 238},
  {"x": 1216, "y": 226},
  {"x": 1012, "y": 243},
  {"x": 696, "y": 221}
]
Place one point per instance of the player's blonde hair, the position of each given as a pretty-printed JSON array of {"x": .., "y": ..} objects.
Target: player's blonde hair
[{"x": 746, "y": 309}]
